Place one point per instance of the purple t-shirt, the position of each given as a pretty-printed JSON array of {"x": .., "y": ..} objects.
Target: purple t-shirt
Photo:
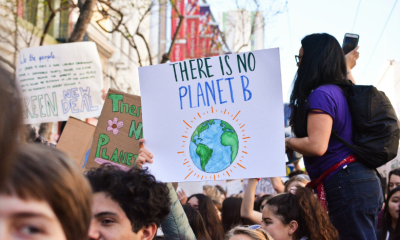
[{"x": 331, "y": 99}]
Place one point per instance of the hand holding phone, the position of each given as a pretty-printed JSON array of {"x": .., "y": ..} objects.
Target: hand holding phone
[{"x": 350, "y": 42}]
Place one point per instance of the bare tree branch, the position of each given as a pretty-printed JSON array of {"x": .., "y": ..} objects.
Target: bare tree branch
[
  {"x": 166, "y": 56},
  {"x": 7, "y": 62},
  {"x": 81, "y": 25}
]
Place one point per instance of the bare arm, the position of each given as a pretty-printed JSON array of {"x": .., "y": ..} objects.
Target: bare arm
[
  {"x": 319, "y": 127},
  {"x": 246, "y": 210},
  {"x": 277, "y": 184},
  {"x": 351, "y": 61}
]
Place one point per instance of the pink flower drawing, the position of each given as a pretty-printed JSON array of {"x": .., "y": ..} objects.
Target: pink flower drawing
[{"x": 114, "y": 125}]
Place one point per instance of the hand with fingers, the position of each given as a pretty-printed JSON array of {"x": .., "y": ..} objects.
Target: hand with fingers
[
  {"x": 182, "y": 196},
  {"x": 144, "y": 155},
  {"x": 351, "y": 58}
]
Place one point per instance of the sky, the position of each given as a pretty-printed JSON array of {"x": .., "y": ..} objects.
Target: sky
[{"x": 337, "y": 17}]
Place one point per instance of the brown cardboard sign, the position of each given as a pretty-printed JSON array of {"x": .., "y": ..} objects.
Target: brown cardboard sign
[
  {"x": 116, "y": 139},
  {"x": 76, "y": 139}
]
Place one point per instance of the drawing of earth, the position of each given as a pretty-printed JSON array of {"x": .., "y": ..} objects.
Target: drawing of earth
[{"x": 214, "y": 145}]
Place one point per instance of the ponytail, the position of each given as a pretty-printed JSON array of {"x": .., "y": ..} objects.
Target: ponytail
[{"x": 303, "y": 207}]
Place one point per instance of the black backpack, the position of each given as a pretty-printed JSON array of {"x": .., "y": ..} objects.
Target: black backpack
[{"x": 375, "y": 125}]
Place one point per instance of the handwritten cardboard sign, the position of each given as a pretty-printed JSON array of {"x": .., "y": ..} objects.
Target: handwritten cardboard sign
[
  {"x": 76, "y": 139},
  {"x": 215, "y": 118},
  {"x": 59, "y": 81},
  {"x": 116, "y": 139}
]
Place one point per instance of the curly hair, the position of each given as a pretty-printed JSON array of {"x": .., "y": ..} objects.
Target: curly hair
[
  {"x": 305, "y": 209},
  {"x": 141, "y": 197}
]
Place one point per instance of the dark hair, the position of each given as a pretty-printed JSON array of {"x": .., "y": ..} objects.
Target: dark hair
[
  {"x": 45, "y": 174},
  {"x": 396, "y": 172},
  {"x": 305, "y": 209},
  {"x": 386, "y": 223},
  {"x": 322, "y": 63},
  {"x": 196, "y": 222},
  {"x": 143, "y": 199},
  {"x": 231, "y": 213},
  {"x": 257, "y": 205},
  {"x": 396, "y": 233},
  {"x": 210, "y": 216},
  {"x": 10, "y": 121},
  {"x": 296, "y": 172}
]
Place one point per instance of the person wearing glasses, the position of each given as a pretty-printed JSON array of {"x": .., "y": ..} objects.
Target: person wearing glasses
[{"x": 318, "y": 106}]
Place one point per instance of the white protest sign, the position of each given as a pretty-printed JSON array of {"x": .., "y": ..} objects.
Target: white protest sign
[
  {"x": 215, "y": 118},
  {"x": 234, "y": 187},
  {"x": 264, "y": 186},
  {"x": 60, "y": 81}
]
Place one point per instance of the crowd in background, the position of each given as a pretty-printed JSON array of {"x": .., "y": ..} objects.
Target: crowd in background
[{"x": 43, "y": 194}]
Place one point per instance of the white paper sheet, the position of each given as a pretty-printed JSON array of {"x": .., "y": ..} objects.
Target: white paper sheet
[
  {"x": 60, "y": 81},
  {"x": 238, "y": 114}
]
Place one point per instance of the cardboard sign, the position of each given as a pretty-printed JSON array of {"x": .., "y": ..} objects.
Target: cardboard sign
[
  {"x": 215, "y": 118},
  {"x": 116, "y": 140},
  {"x": 59, "y": 81},
  {"x": 76, "y": 139}
]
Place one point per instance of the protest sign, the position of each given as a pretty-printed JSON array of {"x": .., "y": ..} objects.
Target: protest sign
[
  {"x": 215, "y": 118},
  {"x": 75, "y": 139},
  {"x": 234, "y": 187},
  {"x": 264, "y": 186},
  {"x": 116, "y": 139},
  {"x": 59, "y": 81}
]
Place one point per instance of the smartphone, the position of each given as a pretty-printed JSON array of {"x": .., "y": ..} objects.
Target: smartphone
[{"x": 350, "y": 42}]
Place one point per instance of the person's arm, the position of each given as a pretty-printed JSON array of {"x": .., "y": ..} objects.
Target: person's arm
[
  {"x": 246, "y": 210},
  {"x": 278, "y": 184},
  {"x": 319, "y": 127},
  {"x": 351, "y": 61},
  {"x": 176, "y": 225}
]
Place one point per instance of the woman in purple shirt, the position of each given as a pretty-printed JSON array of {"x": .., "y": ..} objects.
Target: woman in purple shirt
[{"x": 351, "y": 191}]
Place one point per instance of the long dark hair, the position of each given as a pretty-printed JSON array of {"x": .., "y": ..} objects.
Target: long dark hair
[
  {"x": 231, "y": 213},
  {"x": 386, "y": 224},
  {"x": 322, "y": 63},
  {"x": 305, "y": 209},
  {"x": 210, "y": 216},
  {"x": 196, "y": 223}
]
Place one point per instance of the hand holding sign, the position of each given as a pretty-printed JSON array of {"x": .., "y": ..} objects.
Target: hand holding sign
[{"x": 144, "y": 155}]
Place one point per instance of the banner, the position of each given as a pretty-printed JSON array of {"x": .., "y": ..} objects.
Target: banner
[
  {"x": 60, "y": 81},
  {"x": 178, "y": 50},
  {"x": 116, "y": 139},
  {"x": 215, "y": 118},
  {"x": 192, "y": 28}
]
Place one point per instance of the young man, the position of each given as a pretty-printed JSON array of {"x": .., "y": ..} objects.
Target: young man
[{"x": 126, "y": 205}]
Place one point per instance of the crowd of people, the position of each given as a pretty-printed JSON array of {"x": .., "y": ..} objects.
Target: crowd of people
[{"x": 43, "y": 194}]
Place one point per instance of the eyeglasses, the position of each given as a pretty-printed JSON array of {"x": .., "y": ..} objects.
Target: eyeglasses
[{"x": 297, "y": 57}]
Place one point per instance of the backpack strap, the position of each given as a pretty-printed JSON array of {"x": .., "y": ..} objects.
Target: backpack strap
[{"x": 340, "y": 139}]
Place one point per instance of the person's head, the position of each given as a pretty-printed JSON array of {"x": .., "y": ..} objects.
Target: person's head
[
  {"x": 296, "y": 172},
  {"x": 231, "y": 213},
  {"x": 223, "y": 192},
  {"x": 293, "y": 216},
  {"x": 126, "y": 205},
  {"x": 242, "y": 233},
  {"x": 209, "y": 214},
  {"x": 213, "y": 193},
  {"x": 10, "y": 121},
  {"x": 391, "y": 211},
  {"x": 45, "y": 197},
  {"x": 261, "y": 202},
  {"x": 394, "y": 179},
  {"x": 297, "y": 180},
  {"x": 218, "y": 207},
  {"x": 322, "y": 62},
  {"x": 196, "y": 223}
]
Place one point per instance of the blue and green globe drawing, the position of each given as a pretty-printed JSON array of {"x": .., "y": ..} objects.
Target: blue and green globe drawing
[{"x": 213, "y": 145}]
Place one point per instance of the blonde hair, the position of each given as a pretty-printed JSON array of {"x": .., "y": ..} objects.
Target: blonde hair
[
  {"x": 213, "y": 193},
  {"x": 258, "y": 234},
  {"x": 298, "y": 178}
]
